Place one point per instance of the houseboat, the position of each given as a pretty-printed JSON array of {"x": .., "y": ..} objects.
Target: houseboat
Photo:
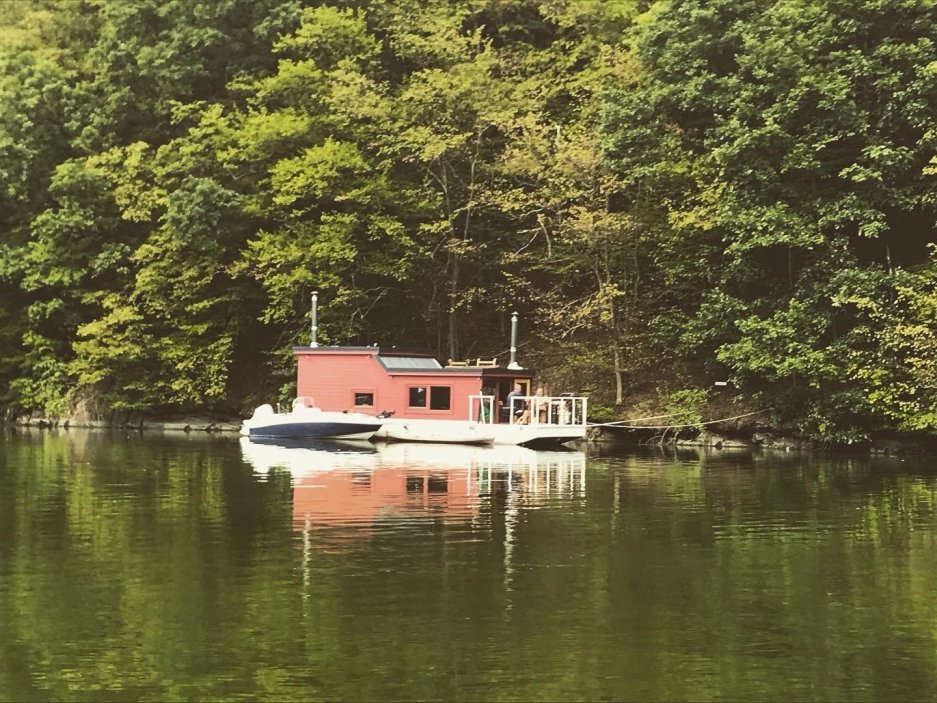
[
  {"x": 416, "y": 398},
  {"x": 420, "y": 399}
]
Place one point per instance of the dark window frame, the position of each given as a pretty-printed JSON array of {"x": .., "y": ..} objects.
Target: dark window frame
[
  {"x": 428, "y": 392},
  {"x": 448, "y": 399},
  {"x": 411, "y": 389},
  {"x": 356, "y": 404}
]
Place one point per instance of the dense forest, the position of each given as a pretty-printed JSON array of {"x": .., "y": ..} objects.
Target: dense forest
[{"x": 669, "y": 193}]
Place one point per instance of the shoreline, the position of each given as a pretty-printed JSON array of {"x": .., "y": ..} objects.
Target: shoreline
[
  {"x": 772, "y": 439},
  {"x": 757, "y": 440},
  {"x": 185, "y": 424}
]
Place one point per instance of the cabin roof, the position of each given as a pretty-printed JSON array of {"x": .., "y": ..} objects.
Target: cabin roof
[
  {"x": 409, "y": 360},
  {"x": 381, "y": 351}
]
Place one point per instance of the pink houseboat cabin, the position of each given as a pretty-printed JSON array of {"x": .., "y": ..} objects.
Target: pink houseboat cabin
[{"x": 406, "y": 383}]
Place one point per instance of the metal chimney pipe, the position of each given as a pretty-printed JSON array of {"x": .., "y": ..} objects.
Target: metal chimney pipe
[
  {"x": 315, "y": 318},
  {"x": 513, "y": 365}
]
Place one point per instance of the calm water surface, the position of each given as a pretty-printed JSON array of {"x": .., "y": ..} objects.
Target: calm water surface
[{"x": 197, "y": 568}]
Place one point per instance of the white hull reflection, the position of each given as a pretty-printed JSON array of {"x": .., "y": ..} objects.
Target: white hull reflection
[
  {"x": 311, "y": 458},
  {"x": 304, "y": 457},
  {"x": 361, "y": 484}
]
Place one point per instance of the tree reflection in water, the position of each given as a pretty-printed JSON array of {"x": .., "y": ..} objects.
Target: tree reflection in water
[{"x": 167, "y": 568}]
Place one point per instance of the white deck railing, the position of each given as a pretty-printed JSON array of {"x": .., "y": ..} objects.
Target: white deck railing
[{"x": 563, "y": 410}]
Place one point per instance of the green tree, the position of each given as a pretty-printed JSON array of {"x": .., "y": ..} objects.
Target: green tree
[{"x": 786, "y": 142}]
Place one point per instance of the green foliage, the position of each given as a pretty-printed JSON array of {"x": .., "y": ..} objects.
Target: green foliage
[
  {"x": 685, "y": 407},
  {"x": 788, "y": 143},
  {"x": 328, "y": 34},
  {"x": 42, "y": 385},
  {"x": 602, "y": 413},
  {"x": 667, "y": 192}
]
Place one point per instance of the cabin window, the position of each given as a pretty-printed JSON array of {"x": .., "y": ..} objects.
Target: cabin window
[
  {"x": 417, "y": 397},
  {"x": 364, "y": 398},
  {"x": 440, "y": 398},
  {"x": 437, "y": 484}
]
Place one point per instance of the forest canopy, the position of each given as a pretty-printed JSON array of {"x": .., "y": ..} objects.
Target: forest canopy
[{"x": 669, "y": 193}]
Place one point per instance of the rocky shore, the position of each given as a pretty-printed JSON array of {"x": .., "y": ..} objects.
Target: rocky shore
[
  {"x": 770, "y": 439},
  {"x": 130, "y": 421}
]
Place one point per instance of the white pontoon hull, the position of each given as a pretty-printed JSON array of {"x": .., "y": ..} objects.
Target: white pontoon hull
[{"x": 462, "y": 432}]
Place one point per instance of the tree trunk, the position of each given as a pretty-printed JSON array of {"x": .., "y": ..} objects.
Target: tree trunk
[{"x": 453, "y": 336}]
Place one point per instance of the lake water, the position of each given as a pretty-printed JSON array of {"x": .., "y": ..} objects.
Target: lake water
[{"x": 144, "y": 567}]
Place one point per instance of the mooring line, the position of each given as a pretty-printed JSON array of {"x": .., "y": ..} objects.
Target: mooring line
[{"x": 670, "y": 427}]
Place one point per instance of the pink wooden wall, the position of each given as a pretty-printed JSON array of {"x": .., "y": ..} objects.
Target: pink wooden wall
[{"x": 332, "y": 379}]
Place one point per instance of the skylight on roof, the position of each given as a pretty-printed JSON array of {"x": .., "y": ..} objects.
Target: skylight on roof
[{"x": 409, "y": 362}]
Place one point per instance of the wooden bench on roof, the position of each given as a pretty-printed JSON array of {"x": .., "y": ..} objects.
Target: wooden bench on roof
[{"x": 480, "y": 363}]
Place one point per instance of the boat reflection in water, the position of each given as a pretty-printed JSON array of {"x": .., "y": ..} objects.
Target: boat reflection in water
[{"x": 346, "y": 483}]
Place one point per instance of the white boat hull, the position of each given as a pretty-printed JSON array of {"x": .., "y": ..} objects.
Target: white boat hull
[
  {"x": 309, "y": 423},
  {"x": 436, "y": 435},
  {"x": 462, "y": 432}
]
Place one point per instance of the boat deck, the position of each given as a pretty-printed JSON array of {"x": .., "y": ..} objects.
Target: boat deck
[{"x": 550, "y": 421}]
